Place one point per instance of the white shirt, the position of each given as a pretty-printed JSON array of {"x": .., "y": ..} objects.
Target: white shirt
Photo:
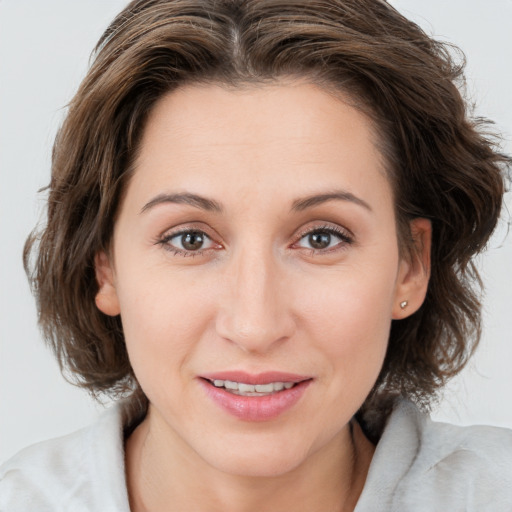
[{"x": 418, "y": 466}]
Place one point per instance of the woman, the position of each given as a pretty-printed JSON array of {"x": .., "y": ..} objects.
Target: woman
[{"x": 261, "y": 226}]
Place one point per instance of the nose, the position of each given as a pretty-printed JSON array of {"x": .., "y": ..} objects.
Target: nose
[{"x": 255, "y": 311}]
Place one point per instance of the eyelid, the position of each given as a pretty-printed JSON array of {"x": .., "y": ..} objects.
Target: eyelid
[
  {"x": 190, "y": 227},
  {"x": 187, "y": 227},
  {"x": 324, "y": 225},
  {"x": 346, "y": 236}
]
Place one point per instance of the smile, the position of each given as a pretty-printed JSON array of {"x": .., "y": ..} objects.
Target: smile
[
  {"x": 255, "y": 398},
  {"x": 244, "y": 389}
]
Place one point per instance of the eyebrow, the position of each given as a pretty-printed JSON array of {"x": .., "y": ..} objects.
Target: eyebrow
[
  {"x": 317, "y": 199},
  {"x": 210, "y": 205},
  {"x": 184, "y": 198}
]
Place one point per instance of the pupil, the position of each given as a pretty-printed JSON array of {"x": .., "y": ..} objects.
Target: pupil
[
  {"x": 192, "y": 241},
  {"x": 320, "y": 240}
]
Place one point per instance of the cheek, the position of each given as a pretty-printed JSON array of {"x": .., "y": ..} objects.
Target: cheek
[
  {"x": 164, "y": 318},
  {"x": 350, "y": 318}
]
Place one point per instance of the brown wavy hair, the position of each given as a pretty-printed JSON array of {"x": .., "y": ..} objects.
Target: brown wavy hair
[{"x": 443, "y": 164}]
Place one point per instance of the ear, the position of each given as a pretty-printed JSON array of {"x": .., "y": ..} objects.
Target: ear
[
  {"x": 414, "y": 271},
  {"x": 106, "y": 298}
]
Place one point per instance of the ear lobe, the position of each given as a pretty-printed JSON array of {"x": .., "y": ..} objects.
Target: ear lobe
[
  {"x": 106, "y": 298},
  {"x": 414, "y": 271}
]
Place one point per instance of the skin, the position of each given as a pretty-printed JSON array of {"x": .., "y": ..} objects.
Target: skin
[{"x": 256, "y": 296}]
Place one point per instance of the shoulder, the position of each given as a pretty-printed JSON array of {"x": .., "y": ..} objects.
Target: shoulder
[
  {"x": 460, "y": 465},
  {"x": 83, "y": 471},
  {"x": 423, "y": 465}
]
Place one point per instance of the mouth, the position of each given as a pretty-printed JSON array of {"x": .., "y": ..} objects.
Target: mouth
[
  {"x": 259, "y": 397},
  {"x": 245, "y": 389}
]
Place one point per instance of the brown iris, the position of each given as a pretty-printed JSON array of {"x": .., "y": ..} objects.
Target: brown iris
[
  {"x": 192, "y": 241},
  {"x": 319, "y": 240}
]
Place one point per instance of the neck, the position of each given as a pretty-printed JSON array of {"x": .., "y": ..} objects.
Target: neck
[{"x": 164, "y": 475}]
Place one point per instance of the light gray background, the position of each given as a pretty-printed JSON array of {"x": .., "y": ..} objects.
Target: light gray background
[{"x": 44, "y": 49}]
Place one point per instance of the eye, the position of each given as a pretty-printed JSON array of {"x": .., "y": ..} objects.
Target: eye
[
  {"x": 188, "y": 242},
  {"x": 324, "y": 239}
]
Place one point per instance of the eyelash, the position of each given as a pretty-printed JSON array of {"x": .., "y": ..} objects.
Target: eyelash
[
  {"x": 345, "y": 238},
  {"x": 165, "y": 243}
]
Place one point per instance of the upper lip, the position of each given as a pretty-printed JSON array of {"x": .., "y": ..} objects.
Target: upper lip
[{"x": 255, "y": 378}]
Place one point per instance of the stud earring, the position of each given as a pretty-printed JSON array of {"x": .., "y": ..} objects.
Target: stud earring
[{"x": 403, "y": 304}]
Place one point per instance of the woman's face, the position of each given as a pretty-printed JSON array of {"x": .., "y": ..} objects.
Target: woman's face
[{"x": 256, "y": 245}]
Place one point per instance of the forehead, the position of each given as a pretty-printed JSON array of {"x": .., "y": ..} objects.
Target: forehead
[
  {"x": 280, "y": 113},
  {"x": 214, "y": 140}
]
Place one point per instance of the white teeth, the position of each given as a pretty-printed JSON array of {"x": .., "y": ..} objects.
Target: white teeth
[
  {"x": 241, "y": 388},
  {"x": 245, "y": 388},
  {"x": 264, "y": 388}
]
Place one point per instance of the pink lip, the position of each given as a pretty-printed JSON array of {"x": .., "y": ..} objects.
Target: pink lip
[
  {"x": 260, "y": 378},
  {"x": 255, "y": 408}
]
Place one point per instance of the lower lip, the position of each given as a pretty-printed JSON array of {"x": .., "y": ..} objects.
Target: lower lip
[{"x": 255, "y": 408}]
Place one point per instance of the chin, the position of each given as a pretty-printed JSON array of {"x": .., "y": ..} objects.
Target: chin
[
  {"x": 258, "y": 465},
  {"x": 257, "y": 455}
]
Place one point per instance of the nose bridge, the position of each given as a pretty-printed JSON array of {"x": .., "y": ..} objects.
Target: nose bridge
[{"x": 255, "y": 312}]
